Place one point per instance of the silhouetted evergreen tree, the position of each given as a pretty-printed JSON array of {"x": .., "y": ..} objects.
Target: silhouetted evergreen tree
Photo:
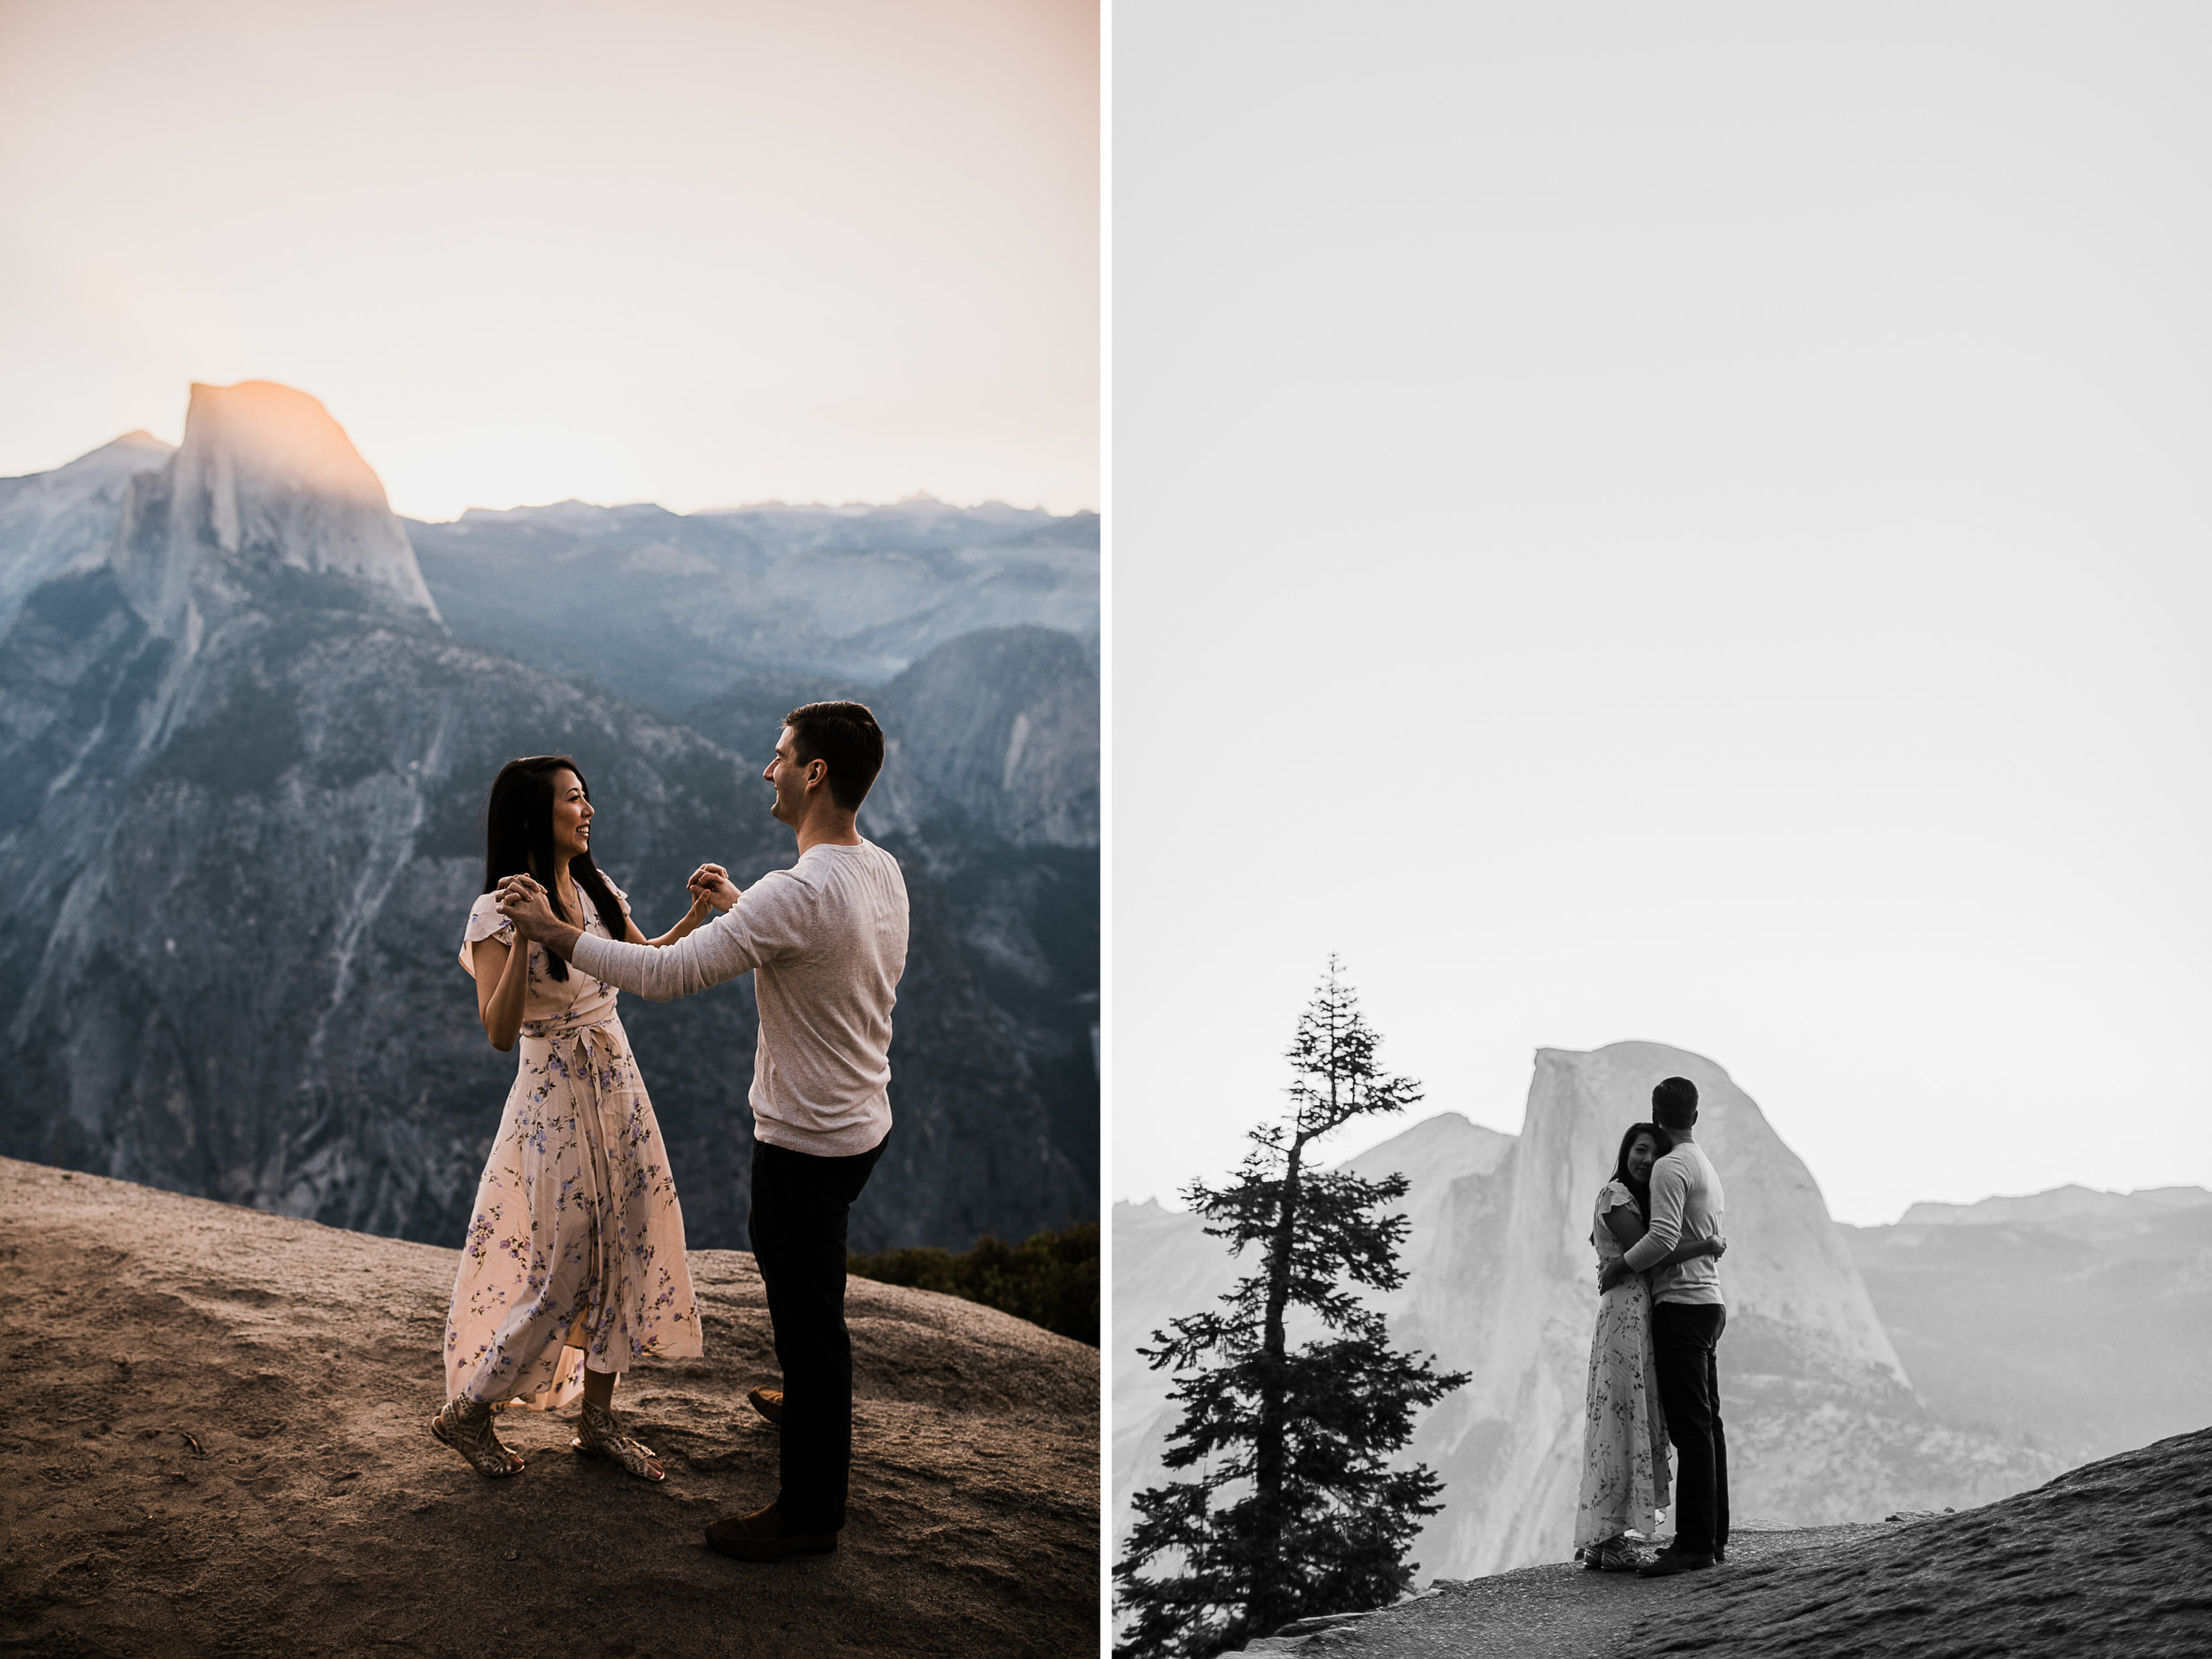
[{"x": 1297, "y": 1445}]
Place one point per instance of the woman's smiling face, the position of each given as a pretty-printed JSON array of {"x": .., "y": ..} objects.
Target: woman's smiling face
[
  {"x": 1643, "y": 1152},
  {"x": 571, "y": 816}
]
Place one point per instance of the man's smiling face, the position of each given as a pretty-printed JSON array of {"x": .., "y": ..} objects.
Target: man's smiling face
[{"x": 790, "y": 775}]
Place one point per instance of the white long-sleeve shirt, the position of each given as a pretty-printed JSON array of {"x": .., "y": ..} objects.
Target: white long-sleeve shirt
[
  {"x": 825, "y": 942},
  {"x": 1687, "y": 1202}
]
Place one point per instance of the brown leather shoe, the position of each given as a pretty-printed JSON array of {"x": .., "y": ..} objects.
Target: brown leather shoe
[
  {"x": 762, "y": 1536},
  {"x": 769, "y": 1403}
]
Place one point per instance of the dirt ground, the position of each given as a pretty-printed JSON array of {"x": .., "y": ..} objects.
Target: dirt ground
[
  {"x": 216, "y": 1441},
  {"x": 2107, "y": 1562}
]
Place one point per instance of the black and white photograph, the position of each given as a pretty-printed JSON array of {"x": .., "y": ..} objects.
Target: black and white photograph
[{"x": 1657, "y": 936}]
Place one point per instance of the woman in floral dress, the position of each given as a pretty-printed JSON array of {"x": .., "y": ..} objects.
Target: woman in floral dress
[
  {"x": 574, "y": 1258},
  {"x": 1625, "y": 1434}
]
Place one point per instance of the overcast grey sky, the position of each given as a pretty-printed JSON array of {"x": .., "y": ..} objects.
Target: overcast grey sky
[
  {"x": 692, "y": 253},
  {"x": 1685, "y": 523}
]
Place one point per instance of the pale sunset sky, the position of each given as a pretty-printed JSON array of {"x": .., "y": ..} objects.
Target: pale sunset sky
[
  {"x": 697, "y": 254},
  {"x": 1687, "y": 523}
]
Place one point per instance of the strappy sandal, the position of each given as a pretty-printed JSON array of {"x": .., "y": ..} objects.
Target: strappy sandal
[
  {"x": 599, "y": 1434},
  {"x": 1614, "y": 1555},
  {"x": 466, "y": 1425}
]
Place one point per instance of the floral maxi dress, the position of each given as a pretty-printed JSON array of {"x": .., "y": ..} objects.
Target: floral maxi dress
[
  {"x": 576, "y": 1245},
  {"x": 1625, "y": 1434}
]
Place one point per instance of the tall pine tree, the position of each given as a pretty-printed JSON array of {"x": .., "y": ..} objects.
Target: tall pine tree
[{"x": 1297, "y": 1446}]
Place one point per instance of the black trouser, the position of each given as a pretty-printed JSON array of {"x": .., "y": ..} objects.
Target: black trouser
[
  {"x": 1683, "y": 1336},
  {"x": 800, "y": 1208}
]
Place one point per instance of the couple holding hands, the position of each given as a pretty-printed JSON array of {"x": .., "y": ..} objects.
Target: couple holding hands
[{"x": 574, "y": 1266}]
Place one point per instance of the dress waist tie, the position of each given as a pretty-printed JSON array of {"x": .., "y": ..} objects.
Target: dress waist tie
[{"x": 589, "y": 1039}]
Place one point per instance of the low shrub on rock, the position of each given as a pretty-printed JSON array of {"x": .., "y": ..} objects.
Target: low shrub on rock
[{"x": 1052, "y": 1281}]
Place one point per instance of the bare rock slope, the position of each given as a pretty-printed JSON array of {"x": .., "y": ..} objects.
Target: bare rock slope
[
  {"x": 216, "y": 1442},
  {"x": 2104, "y": 1563}
]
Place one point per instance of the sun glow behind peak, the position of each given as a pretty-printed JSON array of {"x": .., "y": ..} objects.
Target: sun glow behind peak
[{"x": 685, "y": 254}]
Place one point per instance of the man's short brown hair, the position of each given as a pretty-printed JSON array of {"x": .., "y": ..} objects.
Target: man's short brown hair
[
  {"x": 1674, "y": 1103},
  {"x": 846, "y": 736}
]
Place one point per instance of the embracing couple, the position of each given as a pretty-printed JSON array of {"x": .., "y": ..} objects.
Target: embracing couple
[
  {"x": 573, "y": 1267},
  {"x": 1653, "y": 1372}
]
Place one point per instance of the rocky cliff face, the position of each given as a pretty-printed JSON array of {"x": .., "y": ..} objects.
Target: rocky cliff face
[
  {"x": 1824, "y": 1423},
  {"x": 246, "y": 763},
  {"x": 53, "y": 523},
  {"x": 992, "y": 736},
  {"x": 265, "y": 482},
  {"x": 1000, "y": 727}
]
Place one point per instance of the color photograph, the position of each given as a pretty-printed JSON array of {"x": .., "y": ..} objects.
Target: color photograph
[{"x": 550, "y": 661}]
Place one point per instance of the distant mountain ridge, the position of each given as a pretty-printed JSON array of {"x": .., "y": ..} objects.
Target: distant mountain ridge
[
  {"x": 673, "y": 609},
  {"x": 2060, "y": 1203},
  {"x": 246, "y": 760},
  {"x": 2081, "y": 1328}
]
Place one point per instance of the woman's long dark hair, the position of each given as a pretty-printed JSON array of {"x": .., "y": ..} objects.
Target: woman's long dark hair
[
  {"x": 1640, "y": 1190},
  {"x": 519, "y": 841}
]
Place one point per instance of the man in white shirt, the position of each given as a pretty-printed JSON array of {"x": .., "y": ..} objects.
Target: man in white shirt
[
  {"x": 1687, "y": 1316},
  {"x": 825, "y": 942}
]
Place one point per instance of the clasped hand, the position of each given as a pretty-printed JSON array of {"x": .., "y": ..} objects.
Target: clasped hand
[
  {"x": 524, "y": 902},
  {"x": 712, "y": 888}
]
